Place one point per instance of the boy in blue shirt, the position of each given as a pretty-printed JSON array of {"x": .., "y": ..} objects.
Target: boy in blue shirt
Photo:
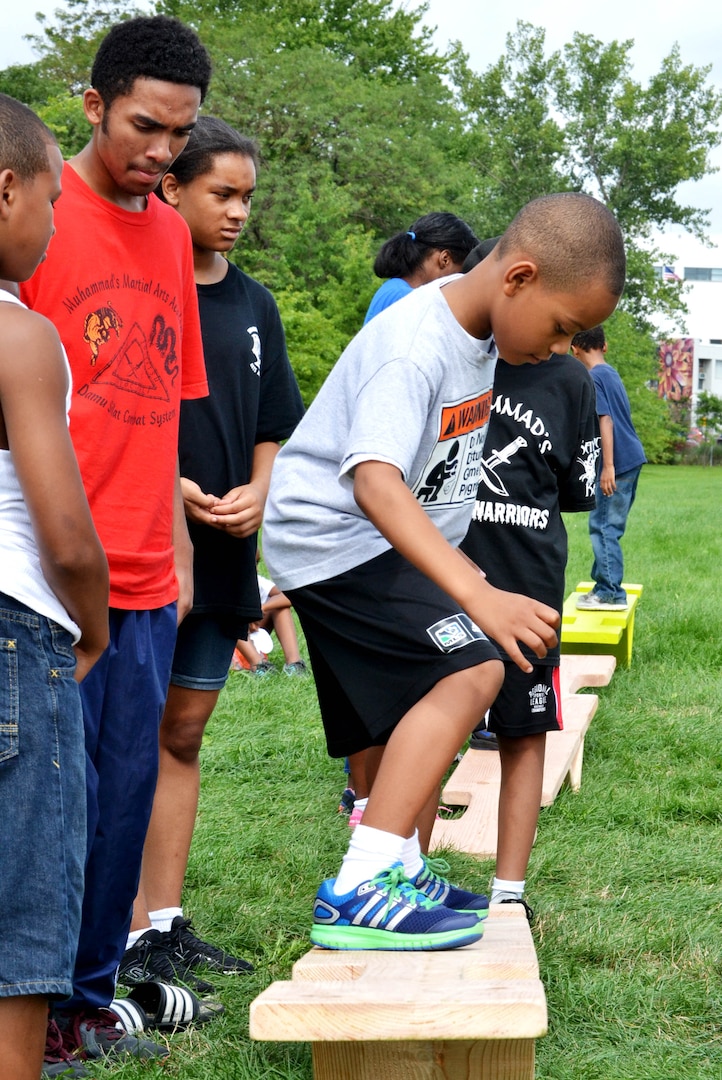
[{"x": 620, "y": 463}]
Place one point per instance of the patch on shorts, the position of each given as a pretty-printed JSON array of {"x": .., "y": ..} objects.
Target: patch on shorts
[
  {"x": 538, "y": 697},
  {"x": 454, "y": 632}
]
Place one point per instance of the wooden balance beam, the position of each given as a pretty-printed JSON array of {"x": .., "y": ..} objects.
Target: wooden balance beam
[
  {"x": 599, "y": 632},
  {"x": 464, "y": 1014},
  {"x": 475, "y": 781}
]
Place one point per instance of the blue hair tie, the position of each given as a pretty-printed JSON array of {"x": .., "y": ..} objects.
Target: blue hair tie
[{"x": 411, "y": 234}]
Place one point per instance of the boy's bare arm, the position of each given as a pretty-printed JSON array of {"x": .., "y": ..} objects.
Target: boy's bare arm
[
  {"x": 33, "y": 383},
  {"x": 182, "y": 551},
  {"x": 275, "y": 601},
  {"x": 508, "y": 618},
  {"x": 607, "y": 478}
]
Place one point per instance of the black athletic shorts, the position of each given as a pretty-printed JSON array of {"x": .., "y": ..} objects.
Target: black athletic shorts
[
  {"x": 379, "y": 638},
  {"x": 527, "y": 704}
]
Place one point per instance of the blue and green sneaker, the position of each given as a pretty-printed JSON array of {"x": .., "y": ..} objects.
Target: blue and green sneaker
[
  {"x": 432, "y": 882},
  {"x": 388, "y": 912}
]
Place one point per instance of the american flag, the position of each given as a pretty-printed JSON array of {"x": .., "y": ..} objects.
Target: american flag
[{"x": 668, "y": 274}]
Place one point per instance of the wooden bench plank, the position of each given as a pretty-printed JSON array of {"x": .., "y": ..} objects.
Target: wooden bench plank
[
  {"x": 476, "y": 831},
  {"x": 577, "y": 672},
  {"x": 476, "y": 779},
  {"x": 565, "y": 749},
  {"x": 461, "y": 1014}
]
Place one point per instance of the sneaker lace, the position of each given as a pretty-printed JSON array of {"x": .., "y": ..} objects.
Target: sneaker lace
[
  {"x": 437, "y": 869},
  {"x": 54, "y": 1048},
  {"x": 94, "y": 1019},
  {"x": 398, "y": 887},
  {"x": 190, "y": 944},
  {"x": 162, "y": 959}
]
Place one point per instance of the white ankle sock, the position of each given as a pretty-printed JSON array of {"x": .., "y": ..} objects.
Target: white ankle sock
[
  {"x": 411, "y": 856},
  {"x": 133, "y": 936},
  {"x": 162, "y": 919},
  {"x": 360, "y": 804},
  {"x": 501, "y": 889},
  {"x": 369, "y": 851}
]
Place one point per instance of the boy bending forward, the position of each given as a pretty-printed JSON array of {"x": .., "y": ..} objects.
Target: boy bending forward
[{"x": 369, "y": 500}]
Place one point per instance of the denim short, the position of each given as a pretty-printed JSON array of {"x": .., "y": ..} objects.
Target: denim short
[
  {"x": 42, "y": 804},
  {"x": 204, "y": 650}
]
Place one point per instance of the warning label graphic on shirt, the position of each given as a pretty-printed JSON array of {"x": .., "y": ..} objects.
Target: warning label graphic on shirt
[{"x": 451, "y": 474}]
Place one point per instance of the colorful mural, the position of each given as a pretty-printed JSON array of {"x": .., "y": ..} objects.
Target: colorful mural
[{"x": 676, "y": 361}]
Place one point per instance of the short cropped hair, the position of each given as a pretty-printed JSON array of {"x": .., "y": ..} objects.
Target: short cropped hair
[
  {"x": 406, "y": 251},
  {"x": 149, "y": 47},
  {"x": 24, "y": 139},
  {"x": 572, "y": 238},
  {"x": 209, "y": 138},
  {"x": 590, "y": 340}
]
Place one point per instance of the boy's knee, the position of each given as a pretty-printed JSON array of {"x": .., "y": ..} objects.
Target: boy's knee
[
  {"x": 181, "y": 735},
  {"x": 184, "y": 743},
  {"x": 491, "y": 675},
  {"x": 485, "y": 681}
]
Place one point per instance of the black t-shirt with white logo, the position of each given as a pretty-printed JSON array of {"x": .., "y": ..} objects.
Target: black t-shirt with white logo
[
  {"x": 253, "y": 398},
  {"x": 539, "y": 460}
]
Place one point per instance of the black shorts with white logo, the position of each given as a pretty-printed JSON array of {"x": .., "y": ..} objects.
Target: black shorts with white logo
[
  {"x": 527, "y": 704},
  {"x": 379, "y": 637}
]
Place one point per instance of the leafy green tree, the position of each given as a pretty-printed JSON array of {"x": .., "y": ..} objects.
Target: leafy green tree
[
  {"x": 67, "y": 45},
  {"x": 633, "y": 145},
  {"x": 709, "y": 414},
  {"x": 576, "y": 119},
  {"x": 29, "y": 83},
  {"x": 351, "y": 152},
  {"x": 363, "y": 125},
  {"x": 511, "y": 137}
]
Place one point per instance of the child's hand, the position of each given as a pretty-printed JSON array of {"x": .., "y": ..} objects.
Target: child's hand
[
  {"x": 509, "y": 618},
  {"x": 608, "y": 480},
  {"x": 240, "y": 512},
  {"x": 85, "y": 657},
  {"x": 196, "y": 503}
]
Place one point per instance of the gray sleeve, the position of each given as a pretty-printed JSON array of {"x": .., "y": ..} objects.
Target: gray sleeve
[{"x": 390, "y": 416}]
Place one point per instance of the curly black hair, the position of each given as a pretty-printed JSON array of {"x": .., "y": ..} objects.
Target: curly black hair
[
  {"x": 24, "y": 139},
  {"x": 150, "y": 47},
  {"x": 590, "y": 340}
]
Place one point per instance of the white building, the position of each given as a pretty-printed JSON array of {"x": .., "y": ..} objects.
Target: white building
[{"x": 691, "y": 361}]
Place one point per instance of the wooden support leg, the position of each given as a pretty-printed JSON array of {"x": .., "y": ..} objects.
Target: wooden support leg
[
  {"x": 507, "y": 1059},
  {"x": 575, "y": 767}
]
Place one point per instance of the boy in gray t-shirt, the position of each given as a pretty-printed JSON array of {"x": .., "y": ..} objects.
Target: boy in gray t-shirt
[{"x": 369, "y": 500}]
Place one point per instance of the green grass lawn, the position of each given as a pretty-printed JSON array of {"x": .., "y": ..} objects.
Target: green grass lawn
[{"x": 625, "y": 875}]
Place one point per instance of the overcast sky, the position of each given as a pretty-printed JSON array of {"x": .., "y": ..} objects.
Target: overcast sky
[{"x": 482, "y": 27}]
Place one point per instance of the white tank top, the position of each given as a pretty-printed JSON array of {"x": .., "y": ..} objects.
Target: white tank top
[{"x": 21, "y": 575}]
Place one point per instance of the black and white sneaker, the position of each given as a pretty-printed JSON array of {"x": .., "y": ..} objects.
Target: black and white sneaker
[
  {"x": 154, "y": 957},
  {"x": 188, "y": 951}
]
